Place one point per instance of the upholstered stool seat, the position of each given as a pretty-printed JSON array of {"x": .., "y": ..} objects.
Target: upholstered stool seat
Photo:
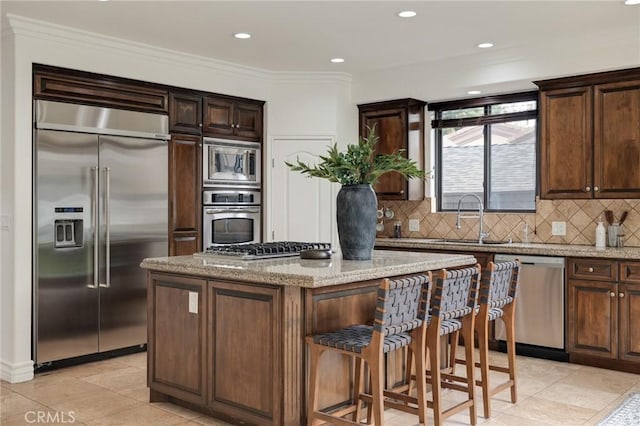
[{"x": 358, "y": 337}]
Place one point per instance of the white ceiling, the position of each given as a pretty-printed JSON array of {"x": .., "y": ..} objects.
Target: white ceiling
[{"x": 304, "y": 35}]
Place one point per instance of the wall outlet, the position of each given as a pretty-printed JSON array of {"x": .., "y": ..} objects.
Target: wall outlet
[
  {"x": 559, "y": 228},
  {"x": 193, "y": 302},
  {"x": 414, "y": 225}
]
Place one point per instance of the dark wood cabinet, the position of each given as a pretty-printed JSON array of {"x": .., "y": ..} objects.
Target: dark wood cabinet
[
  {"x": 399, "y": 125},
  {"x": 629, "y": 299},
  {"x": 566, "y": 153},
  {"x": 592, "y": 318},
  {"x": 233, "y": 118},
  {"x": 590, "y": 136},
  {"x": 177, "y": 324},
  {"x": 616, "y": 140},
  {"x": 185, "y": 206},
  {"x": 224, "y": 346},
  {"x": 244, "y": 359},
  {"x": 79, "y": 87},
  {"x": 185, "y": 113},
  {"x": 603, "y": 313}
]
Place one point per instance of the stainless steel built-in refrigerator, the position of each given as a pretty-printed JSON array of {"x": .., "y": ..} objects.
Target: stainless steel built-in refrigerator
[{"x": 100, "y": 207}]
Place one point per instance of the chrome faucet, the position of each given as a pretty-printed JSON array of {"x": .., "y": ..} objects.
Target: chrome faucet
[{"x": 481, "y": 233}]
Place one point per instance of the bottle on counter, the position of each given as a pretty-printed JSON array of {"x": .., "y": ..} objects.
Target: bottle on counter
[{"x": 600, "y": 235}]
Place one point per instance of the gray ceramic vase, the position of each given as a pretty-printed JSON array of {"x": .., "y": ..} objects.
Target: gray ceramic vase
[{"x": 356, "y": 216}]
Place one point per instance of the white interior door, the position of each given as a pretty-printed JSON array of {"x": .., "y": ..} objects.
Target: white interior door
[{"x": 301, "y": 208}]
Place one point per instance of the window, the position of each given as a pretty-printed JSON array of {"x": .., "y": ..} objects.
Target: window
[{"x": 487, "y": 146}]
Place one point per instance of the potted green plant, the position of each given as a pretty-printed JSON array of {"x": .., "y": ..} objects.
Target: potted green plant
[{"x": 357, "y": 169}]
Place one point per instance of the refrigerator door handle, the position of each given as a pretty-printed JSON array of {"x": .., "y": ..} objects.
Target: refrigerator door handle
[
  {"x": 107, "y": 220},
  {"x": 94, "y": 200}
]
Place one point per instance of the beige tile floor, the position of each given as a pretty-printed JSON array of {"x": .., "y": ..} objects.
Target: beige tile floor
[{"x": 114, "y": 392}]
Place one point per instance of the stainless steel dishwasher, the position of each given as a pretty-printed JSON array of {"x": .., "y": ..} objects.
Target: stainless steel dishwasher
[{"x": 540, "y": 302}]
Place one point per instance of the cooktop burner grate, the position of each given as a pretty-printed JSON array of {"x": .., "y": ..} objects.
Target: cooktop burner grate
[{"x": 251, "y": 251}]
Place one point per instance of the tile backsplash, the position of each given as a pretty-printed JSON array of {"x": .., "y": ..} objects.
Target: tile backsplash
[{"x": 580, "y": 216}]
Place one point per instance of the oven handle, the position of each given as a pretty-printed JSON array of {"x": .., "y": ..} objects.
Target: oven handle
[{"x": 232, "y": 210}]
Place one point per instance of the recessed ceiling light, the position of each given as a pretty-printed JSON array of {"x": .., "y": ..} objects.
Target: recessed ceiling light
[
  {"x": 485, "y": 45},
  {"x": 407, "y": 14},
  {"x": 242, "y": 35},
  {"x": 337, "y": 60},
  {"x": 473, "y": 92},
  {"x": 632, "y": 2}
]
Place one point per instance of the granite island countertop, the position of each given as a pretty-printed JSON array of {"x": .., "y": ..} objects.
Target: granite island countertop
[
  {"x": 293, "y": 271},
  {"x": 565, "y": 250}
]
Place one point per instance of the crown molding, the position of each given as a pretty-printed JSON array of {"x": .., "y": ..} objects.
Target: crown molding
[{"x": 47, "y": 31}]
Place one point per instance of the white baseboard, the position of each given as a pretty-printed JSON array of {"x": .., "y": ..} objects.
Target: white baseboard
[{"x": 15, "y": 373}]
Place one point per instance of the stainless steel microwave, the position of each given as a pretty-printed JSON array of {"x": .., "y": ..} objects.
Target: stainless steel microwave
[{"x": 230, "y": 164}]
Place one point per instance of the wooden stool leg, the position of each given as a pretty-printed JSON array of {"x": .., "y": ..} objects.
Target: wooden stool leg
[
  {"x": 407, "y": 376},
  {"x": 421, "y": 381},
  {"x": 455, "y": 338},
  {"x": 377, "y": 388},
  {"x": 510, "y": 327},
  {"x": 467, "y": 333},
  {"x": 482, "y": 327},
  {"x": 357, "y": 388},
  {"x": 314, "y": 354},
  {"x": 433, "y": 340}
]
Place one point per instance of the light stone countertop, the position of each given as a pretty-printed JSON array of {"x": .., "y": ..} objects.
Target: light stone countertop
[
  {"x": 565, "y": 250},
  {"x": 293, "y": 271}
]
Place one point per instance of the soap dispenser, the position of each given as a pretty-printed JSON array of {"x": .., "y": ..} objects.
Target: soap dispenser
[{"x": 600, "y": 235}]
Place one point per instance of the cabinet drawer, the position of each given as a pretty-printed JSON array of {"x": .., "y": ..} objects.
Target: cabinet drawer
[
  {"x": 630, "y": 272},
  {"x": 593, "y": 269}
]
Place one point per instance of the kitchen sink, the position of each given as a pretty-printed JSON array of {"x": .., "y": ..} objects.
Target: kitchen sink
[{"x": 467, "y": 242}]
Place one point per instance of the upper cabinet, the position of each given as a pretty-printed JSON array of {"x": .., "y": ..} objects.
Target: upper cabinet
[
  {"x": 216, "y": 116},
  {"x": 590, "y": 136},
  {"x": 63, "y": 85},
  {"x": 616, "y": 139},
  {"x": 233, "y": 118},
  {"x": 185, "y": 113},
  {"x": 400, "y": 126}
]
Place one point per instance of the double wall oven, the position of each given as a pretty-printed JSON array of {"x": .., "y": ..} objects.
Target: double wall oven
[{"x": 231, "y": 195}]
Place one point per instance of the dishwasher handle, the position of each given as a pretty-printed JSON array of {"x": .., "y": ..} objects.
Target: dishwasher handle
[{"x": 548, "y": 262}]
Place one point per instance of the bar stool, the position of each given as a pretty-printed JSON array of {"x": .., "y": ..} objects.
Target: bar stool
[
  {"x": 400, "y": 321},
  {"x": 498, "y": 291},
  {"x": 452, "y": 310}
]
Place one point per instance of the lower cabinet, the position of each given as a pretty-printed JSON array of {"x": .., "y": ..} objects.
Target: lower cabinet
[
  {"x": 245, "y": 372},
  {"x": 222, "y": 346},
  {"x": 177, "y": 326},
  {"x": 603, "y": 313}
]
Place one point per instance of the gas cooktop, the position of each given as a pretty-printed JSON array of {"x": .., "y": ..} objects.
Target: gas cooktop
[{"x": 253, "y": 251}]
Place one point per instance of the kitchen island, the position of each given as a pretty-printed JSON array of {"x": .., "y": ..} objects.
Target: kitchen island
[{"x": 226, "y": 336}]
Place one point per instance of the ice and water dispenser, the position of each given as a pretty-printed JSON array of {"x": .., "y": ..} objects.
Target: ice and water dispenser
[{"x": 68, "y": 225}]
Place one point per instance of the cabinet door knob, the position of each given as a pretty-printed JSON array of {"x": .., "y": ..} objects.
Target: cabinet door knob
[
  {"x": 621, "y": 295},
  {"x": 200, "y": 125},
  {"x": 595, "y": 188},
  {"x": 590, "y": 269},
  {"x": 612, "y": 294},
  {"x": 588, "y": 188}
]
